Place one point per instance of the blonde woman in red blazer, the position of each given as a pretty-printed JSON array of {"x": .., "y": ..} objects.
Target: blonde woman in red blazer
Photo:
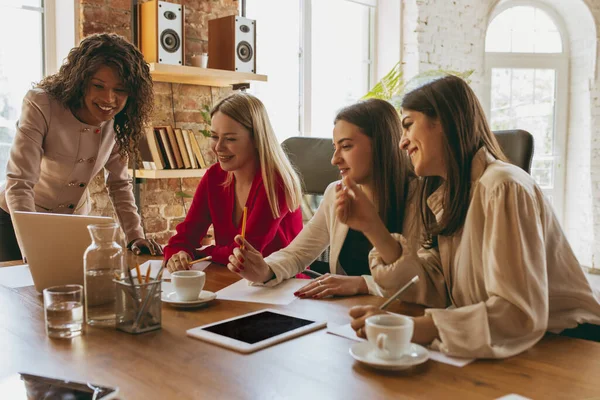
[{"x": 85, "y": 118}]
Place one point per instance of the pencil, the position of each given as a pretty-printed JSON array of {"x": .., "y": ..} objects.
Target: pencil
[
  {"x": 147, "y": 275},
  {"x": 200, "y": 260},
  {"x": 244, "y": 225},
  {"x": 139, "y": 274},
  {"x": 399, "y": 292},
  {"x": 311, "y": 273}
]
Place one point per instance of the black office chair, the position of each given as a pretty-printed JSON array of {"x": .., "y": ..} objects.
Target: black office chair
[
  {"x": 517, "y": 145},
  {"x": 311, "y": 157}
]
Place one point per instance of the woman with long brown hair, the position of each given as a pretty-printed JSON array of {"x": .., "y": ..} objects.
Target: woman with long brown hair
[
  {"x": 85, "y": 118},
  {"x": 494, "y": 253},
  {"x": 366, "y": 138}
]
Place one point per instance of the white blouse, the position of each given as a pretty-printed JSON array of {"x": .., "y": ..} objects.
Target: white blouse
[
  {"x": 323, "y": 230},
  {"x": 508, "y": 276}
]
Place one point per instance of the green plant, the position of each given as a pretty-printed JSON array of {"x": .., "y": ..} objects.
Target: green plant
[
  {"x": 205, "y": 113},
  {"x": 393, "y": 86}
]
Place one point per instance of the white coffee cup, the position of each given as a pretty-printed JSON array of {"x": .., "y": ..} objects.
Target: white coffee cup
[
  {"x": 188, "y": 284},
  {"x": 200, "y": 60},
  {"x": 390, "y": 334}
]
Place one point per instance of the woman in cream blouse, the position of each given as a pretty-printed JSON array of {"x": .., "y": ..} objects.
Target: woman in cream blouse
[
  {"x": 494, "y": 252},
  {"x": 366, "y": 138},
  {"x": 85, "y": 118}
]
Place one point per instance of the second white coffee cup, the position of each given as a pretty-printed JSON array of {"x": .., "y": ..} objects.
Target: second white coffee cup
[
  {"x": 390, "y": 334},
  {"x": 188, "y": 284}
]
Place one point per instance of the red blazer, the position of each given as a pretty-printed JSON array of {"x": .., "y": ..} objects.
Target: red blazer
[{"x": 213, "y": 204}]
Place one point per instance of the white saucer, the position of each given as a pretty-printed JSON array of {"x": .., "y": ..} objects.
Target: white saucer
[
  {"x": 204, "y": 297},
  {"x": 365, "y": 353}
]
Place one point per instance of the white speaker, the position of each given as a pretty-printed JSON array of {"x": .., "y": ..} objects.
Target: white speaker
[
  {"x": 162, "y": 36},
  {"x": 232, "y": 44}
]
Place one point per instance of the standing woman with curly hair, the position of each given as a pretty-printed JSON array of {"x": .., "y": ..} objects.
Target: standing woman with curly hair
[{"x": 86, "y": 117}]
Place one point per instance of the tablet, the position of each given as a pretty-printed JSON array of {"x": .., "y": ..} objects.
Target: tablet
[
  {"x": 26, "y": 386},
  {"x": 256, "y": 330}
]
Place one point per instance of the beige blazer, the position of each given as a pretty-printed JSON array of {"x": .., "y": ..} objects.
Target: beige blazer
[
  {"x": 55, "y": 156},
  {"x": 508, "y": 277},
  {"x": 323, "y": 230}
]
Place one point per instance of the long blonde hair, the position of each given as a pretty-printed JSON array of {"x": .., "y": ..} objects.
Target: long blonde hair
[{"x": 251, "y": 113}]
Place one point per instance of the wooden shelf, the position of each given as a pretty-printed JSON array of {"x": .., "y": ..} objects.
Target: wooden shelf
[
  {"x": 201, "y": 76},
  {"x": 167, "y": 173}
]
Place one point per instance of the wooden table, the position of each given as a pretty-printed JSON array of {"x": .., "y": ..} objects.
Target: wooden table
[{"x": 167, "y": 364}]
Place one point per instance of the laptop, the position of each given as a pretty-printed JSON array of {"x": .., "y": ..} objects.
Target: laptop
[{"x": 54, "y": 245}]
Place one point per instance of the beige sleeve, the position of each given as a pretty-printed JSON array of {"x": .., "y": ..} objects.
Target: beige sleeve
[
  {"x": 120, "y": 190},
  {"x": 312, "y": 240},
  {"x": 515, "y": 314},
  {"x": 431, "y": 288},
  {"x": 23, "y": 168}
]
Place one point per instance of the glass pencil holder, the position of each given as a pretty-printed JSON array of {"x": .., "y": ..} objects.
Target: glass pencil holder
[{"x": 138, "y": 306}]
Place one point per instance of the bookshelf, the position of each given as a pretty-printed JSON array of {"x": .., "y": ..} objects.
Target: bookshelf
[
  {"x": 201, "y": 76},
  {"x": 167, "y": 173}
]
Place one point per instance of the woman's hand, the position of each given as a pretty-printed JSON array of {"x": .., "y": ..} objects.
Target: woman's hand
[
  {"x": 249, "y": 263},
  {"x": 353, "y": 207},
  {"x": 179, "y": 262},
  {"x": 333, "y": 285},
  {"x": 359, "y": 314},
  {"x": 424, "y": 332},
  {"x": 141, "y": 245}
]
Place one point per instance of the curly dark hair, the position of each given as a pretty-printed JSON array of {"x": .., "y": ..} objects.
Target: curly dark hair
[{"x": 70, "y": 83}]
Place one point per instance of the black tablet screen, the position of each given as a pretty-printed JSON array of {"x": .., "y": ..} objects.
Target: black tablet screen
[{"x": 255, "y": 328}]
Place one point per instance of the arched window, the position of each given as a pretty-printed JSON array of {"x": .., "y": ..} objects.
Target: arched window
[{"x": 527, "y": 73}]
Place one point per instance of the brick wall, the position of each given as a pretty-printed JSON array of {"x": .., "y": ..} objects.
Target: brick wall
[
  {"x": 175, "y": 104},
  {"x": 451, "y": 34}
]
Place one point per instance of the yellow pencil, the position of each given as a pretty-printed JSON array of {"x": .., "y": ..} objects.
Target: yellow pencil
[
  {"x": 200, "y": 260},
  {"x": 139, "y": 274},
  {"x": 244, "y": 225},
  {"x": 147, "y": 275}
]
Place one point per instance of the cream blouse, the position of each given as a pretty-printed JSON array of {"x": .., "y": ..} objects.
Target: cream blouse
[
  {"x": 55, "y": 156},
  {"x": 323, "y": 230},
  {"x": 509, "y": 276}
]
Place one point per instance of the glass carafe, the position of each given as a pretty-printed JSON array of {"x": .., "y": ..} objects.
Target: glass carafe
[{"x": 102, "y": 262}]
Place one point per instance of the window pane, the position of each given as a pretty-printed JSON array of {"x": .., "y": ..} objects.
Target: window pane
[
  {"x": 277, "y": 45},
  {"x": 525, "y": 99},
  {"x": 18, "y": 69},
  {"x": 20, "y": 3},
  {"x": 523, "y": 29},
  {"x": 339, "y": 61}
]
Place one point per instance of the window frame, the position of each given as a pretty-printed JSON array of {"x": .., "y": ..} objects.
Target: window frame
[
  {"x": 305, "y": 59},
  {"x": 48, "y": 43},
  {"x": 559, "y": 62}
]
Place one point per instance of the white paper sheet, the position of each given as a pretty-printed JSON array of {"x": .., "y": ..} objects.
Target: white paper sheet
[
  {"x": 155, "y": 267},
  {"x": 281, "y": 294},
  {"x": 347, "y": 332},
  {"x": 16, "y": 277}
]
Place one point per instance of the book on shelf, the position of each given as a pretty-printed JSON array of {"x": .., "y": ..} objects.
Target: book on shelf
[
  {"x": 189, "y": 148},
  {"x": 196, "y": 149},
  {"x": 183, "y": 148},
  {"x": 174, "y": 146},
  {"x": 150, "y": 140},
  {"x": 166, "y": 147},
  {"x": 205, "y": 148},
  {"x": 145, "y": 160}
]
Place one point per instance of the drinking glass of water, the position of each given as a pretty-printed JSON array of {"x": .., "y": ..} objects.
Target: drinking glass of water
[{"x": 63, "y": 311}]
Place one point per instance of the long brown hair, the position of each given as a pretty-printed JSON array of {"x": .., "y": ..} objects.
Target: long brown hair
[
  {"x": 392, "y": 170},
  {"x": 453, "y": 103},
  {"x": 250, "y": 112},
  {"x": 70, "y": 83}
]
